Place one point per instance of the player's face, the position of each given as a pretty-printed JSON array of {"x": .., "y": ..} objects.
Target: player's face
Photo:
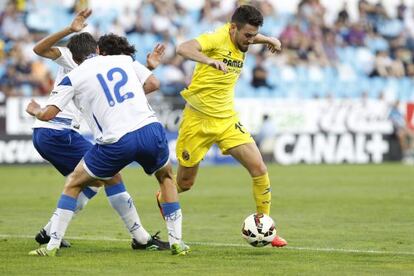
[{"x": 245, "y": 36}]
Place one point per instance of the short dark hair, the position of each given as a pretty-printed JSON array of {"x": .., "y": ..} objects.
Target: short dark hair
[
  {"x": 81, "y": 46},
  {"x": 112, "y": 44},
  {"x": 246, "y": 14}
]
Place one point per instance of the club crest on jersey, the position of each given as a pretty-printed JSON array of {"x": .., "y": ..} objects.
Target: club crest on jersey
[{"x": 185, "y": 155}]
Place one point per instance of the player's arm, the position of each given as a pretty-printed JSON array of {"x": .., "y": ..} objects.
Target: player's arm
[
  {"x": 42, "y": 113},
  {"x": 273, "y": 44},
  {"x": 45, "y": 47},
  {"x": 192, "y": 50},
  {"x": 149, "y": 82},
  {"x": 58, "y": 99}
]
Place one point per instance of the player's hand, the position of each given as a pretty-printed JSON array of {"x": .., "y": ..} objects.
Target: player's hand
[
  {"x": 154, "y": 58},
  {"x": 274, "y": 45},
  {"x": 32, "y": 108},
  {"x": 78, "y": 22},
  {"x": 219, "y": 65}
]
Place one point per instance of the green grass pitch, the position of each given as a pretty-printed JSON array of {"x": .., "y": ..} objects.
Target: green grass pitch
[{"x": 338, "y": 219}]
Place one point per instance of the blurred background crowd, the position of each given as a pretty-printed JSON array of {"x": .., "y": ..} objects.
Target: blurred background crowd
[
  {"x": 345, "y": 49},
  {"x": 369, "y": 55}
]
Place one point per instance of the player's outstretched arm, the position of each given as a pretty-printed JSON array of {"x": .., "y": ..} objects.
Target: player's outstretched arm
[
  {"x": 273, "y": 44},
  {"x": 192, "y": 50},
  {"x": 44, "y": 114},
  {"x": 44, "y": 47}
]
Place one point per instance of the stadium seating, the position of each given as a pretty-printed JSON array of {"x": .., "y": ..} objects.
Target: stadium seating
[{"x": 349, "y": 78}]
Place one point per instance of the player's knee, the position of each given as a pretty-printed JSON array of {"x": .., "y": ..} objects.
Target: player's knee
[
  {"x": 165, "y": 174},
  {"x": 258, "y": 169},
  {"x": 117, "y": 178},
  {"x": 185, "y": 183},
  {"x": 72, "y": 185}
]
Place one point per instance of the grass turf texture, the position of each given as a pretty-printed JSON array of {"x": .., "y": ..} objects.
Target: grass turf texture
[{"x": 342, "y": 207}]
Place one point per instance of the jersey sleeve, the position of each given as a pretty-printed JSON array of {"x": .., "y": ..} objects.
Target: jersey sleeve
[
  {"x": 61, "y": 94},
  {"x": 65, "y": 60},
  {"x": 211, "y": 41},
  {"x": 142, "y": 72}
]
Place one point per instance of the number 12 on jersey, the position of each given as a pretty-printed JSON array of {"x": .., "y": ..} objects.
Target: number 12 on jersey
[{"x": 110, "y": 76}]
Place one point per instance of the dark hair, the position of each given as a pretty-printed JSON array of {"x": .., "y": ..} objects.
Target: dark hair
[
  {"x": 246, "y": 14},
  {"x": 81, "y": 46},
  {"x": 112, "y": 44}
]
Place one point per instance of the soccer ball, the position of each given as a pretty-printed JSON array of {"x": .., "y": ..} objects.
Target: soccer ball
[{"x": 258, "y": 230}]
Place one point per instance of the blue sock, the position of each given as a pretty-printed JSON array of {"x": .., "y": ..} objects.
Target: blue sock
[
  {"x": 83, "y": 198},
  {"x": 67, "y": 203},
  {"x": 64, "y": 213},
  {"x": 122, "y": 202},
  {"x": 169, "y": 208},
  {"x": 115, "y": 189},
  {"x": 173, "y": 219},
  {"x": 88, "y": 192}
]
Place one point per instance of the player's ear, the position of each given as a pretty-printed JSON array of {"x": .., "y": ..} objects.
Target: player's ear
[
  {"x": 233, "y": 26},
  {"x": 98, "y": 52}
]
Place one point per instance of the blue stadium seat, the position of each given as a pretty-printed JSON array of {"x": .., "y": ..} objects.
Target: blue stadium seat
[
  {"x": 263, "y": 92},
  {"x": 377, "y": 87},
  {"x": 405, "y": 88},
  {"x": 273, "y": 76},
  {"x": 294, "y": 90},
  {"x": 53, "y": 67},
  {"x": 27, "y": 90},
  {"x": 2, "y": 69},
  {"x": 62, "y": 18},
  {"x": 136, "y": 39},
  {"x": 250, "y": 61},
  {"x": 242, "y": 88},
  {"x": 40, "y": 20}
]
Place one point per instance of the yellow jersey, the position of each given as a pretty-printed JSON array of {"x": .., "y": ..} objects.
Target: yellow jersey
[{"x": 211, "y": 91}]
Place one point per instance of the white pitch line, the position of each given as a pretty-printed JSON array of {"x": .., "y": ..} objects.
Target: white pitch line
[{"x": 293, "y": 248}]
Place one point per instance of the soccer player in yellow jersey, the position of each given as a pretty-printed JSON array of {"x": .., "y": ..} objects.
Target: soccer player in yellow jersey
[{"x": 209, "y": 116}]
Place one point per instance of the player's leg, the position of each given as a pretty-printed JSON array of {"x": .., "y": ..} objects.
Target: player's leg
[
  {"x": 185, "y": 177},
  {"x": 105, "y": 161},
  {"x": 249, "y": 156},
  {"x": 237, "y": 141},
  {"x": 65, "y": 209},
  {"x": 122, "y": 202},
  {"x": 196, "y": 135},
  {"x": 153, "y": 156},
  {"x": 63, "y": 149},
  {"x": 171, "y": 209},
  {"x": 193, "y": 142}
]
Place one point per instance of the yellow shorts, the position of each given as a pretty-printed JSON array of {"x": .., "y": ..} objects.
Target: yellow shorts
[{"x": 198, "y": 132}]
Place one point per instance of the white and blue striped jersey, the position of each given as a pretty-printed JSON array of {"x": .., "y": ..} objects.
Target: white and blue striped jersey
[
  {"x": 108, "y": 90},
  {"x": 69, "y": 117}
]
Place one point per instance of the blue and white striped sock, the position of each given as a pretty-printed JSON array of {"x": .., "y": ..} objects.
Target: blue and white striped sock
[
  {"x": 84, "y": 197},
  {"x": 62, "y": 216},
  {"x": 122, "y": 202},
  {"x": 173, "y": 219},
  {"x": 82, "y": 200}
]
